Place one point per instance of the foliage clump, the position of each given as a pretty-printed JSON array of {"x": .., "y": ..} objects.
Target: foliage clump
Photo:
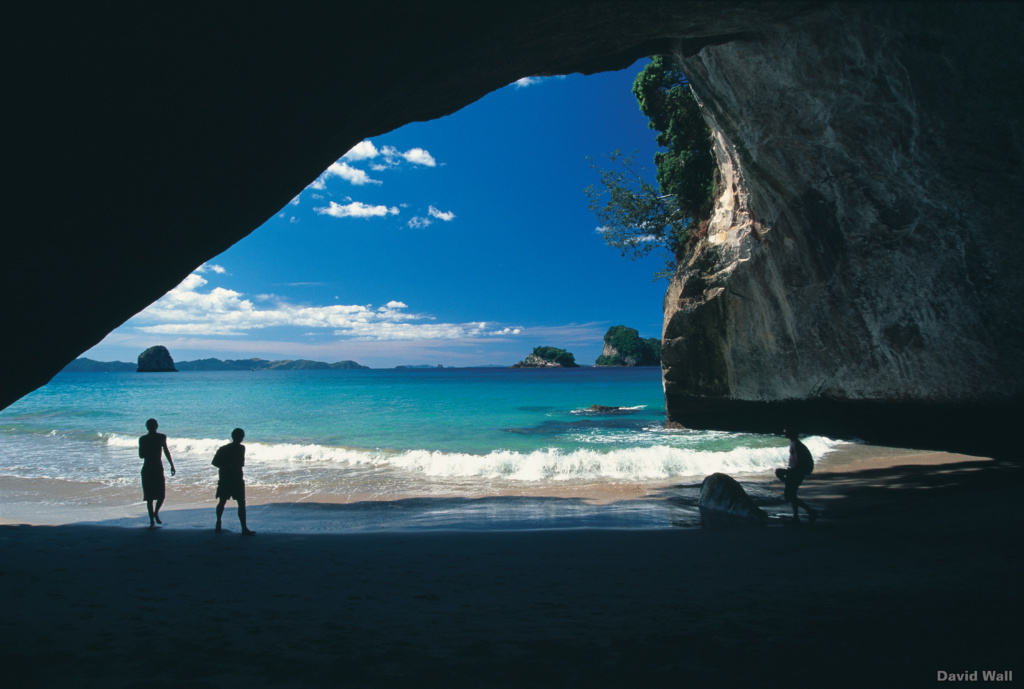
[
  {"x": 635, "y": 215},
  {"x": 630, "y": 349},
  {"x": 555, "y": 355}
]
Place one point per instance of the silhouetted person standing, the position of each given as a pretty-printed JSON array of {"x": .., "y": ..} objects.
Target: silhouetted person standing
[
  {"x": 229, "y": 461},
  {"x": 151, "y": 447},
  {"x": 800, "y": 465}
]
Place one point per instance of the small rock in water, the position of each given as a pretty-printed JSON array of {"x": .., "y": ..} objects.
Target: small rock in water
[{"x": 156, "y": 359}]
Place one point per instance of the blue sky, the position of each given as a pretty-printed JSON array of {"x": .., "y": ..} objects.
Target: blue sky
[{"x": 461, "y": 241}]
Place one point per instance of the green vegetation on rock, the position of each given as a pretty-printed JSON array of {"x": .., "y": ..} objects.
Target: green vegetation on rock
[
  {"x": 623, "y": 346},
  {"x": 635, "y": 216},
  {"x": 548, "y": 357}
]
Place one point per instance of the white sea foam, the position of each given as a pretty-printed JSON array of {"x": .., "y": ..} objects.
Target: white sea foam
[
  {"x": 588, "y": 410},
  {"x": 646, "y": 463}
]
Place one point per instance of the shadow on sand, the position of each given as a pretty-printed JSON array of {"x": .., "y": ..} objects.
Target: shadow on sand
[{"x": 918, "y": 571}]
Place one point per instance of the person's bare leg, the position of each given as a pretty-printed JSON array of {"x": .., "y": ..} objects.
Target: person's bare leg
[
  {"x": 149, "y": 508},
  {"x": 156, "y": 510},
  {"x": 220, "y": 512},
  {"x": 241, "y": 518}
]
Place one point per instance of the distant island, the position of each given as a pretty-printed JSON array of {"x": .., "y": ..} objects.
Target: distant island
[
  {"x": 624, "y": 347},
  {"x": 417, "y": 366},
  {"x": 151, "y": 360},
  {"x": 265, "y": 365},
  {"x": 85, "y": 365},
  {"x": 548, "y": 357},
  {"x": 156, "y": 360}
]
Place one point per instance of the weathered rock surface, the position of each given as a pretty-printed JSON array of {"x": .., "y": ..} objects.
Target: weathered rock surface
[
  {"x": 876, "y": 149},
  {"x": 722, "y": 499},
  {"x": 859, "y": 276},
  {"x": 156, "y": 360}
]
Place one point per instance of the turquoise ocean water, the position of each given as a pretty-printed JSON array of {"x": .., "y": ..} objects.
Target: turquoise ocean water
[{"x": 372, "y": 435}]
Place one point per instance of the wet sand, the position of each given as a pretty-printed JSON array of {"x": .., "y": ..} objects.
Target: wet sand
[{"x": 914, "y": 569}]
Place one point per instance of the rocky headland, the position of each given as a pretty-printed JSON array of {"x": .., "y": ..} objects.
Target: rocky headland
[
  {"x": 624, "y": 347},
  {"x": 548, "y": 357},
  {"x": 85, "y": 365}
]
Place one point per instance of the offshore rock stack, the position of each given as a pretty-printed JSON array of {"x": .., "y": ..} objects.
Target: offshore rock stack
[{"x": 156, "y": 360}]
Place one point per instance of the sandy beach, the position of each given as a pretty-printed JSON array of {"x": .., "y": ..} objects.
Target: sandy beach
[{"x": 914, "y": 569}]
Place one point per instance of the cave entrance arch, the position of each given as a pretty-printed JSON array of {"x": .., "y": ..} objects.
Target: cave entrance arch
[{"x": 188, "y": 131}]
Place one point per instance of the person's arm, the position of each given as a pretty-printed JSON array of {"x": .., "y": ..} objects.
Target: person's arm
[
  {"x": 794, "y": 457},
  {"x": 168, "y": 453},
  {"x": 141, "y": 456}
]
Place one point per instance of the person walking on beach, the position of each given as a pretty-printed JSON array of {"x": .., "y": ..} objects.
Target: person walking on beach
[
  {"x": 229, "y": 461},
  {"x": 151, "y": 447},
  {"x": 800, "y": 465}
]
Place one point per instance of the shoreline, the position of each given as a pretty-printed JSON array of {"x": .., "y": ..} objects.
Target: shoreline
[
  {"x": 503, "y": 504},
  {"x": 914, "y": 571}
]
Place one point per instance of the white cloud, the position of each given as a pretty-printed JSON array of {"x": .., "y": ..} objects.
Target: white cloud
[
  {"x": 419, "y": 156},
  {"x": 220, "y": 270},
  {"x": 526, "y": 81},
  {"x": 447, "y": 216},
  {"x": 188, "y": 310},
  {"x": 356, "y": 209},
  {"x": 418, "y": 222},
  {"x": 361, "y": 151},
  {"x": 530, "y": 81},
  {"x": 349, "y": 174},
  {"x": 391, "y": 156}
]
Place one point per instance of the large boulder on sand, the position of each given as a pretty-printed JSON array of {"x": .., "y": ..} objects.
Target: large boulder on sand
[
  {"x": 156, "y": 359},
  {"x": 722, "y": 499}
]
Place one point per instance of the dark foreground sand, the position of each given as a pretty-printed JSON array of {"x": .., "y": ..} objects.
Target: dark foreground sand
[{"x": 914, "y": 570}]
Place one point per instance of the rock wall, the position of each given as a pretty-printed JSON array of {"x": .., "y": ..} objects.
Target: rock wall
[
  {"x": 146, "y": 138},
  {"x": 866, "y": 250},
  {"x": 860, "y": 272}
]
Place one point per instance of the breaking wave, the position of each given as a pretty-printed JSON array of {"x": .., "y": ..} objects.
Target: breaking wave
[{"x": 652, "y": 462}]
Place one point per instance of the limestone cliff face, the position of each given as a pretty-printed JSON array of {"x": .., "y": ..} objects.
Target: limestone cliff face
[{"x": 860, "y": 259}]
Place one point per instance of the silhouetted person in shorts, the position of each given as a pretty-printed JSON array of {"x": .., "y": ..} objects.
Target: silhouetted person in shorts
[
  {"x": 229, "y": 461},
  {"x": 800, "y": 465},
  {"x": 151, "y": 447}
]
